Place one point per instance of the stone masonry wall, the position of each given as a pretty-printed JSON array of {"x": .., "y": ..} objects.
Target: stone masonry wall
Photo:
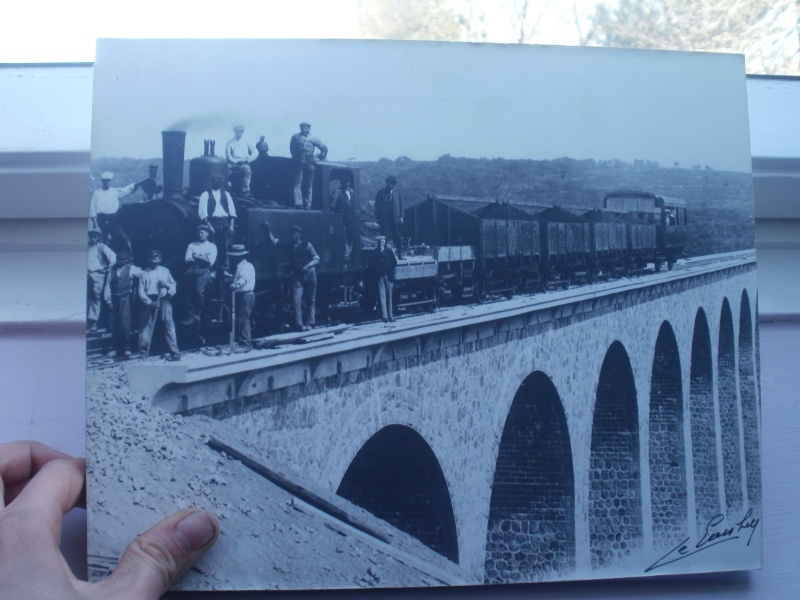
[
  {"x": 668, "y": 492},
  {"x": 458, "y": 398},
  {"x": 729, "y": 414},
  {"x": 531, "y": 529},
  {"x": 750, "y": 405}
]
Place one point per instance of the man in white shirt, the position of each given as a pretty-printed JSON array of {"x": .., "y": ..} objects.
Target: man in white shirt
[
  {"x": 103, "y": 209},
  {"x": 200, "y": 258},
  {"x": 244, "y": 283},
  {"x": 216, "y": 208},
  {"x": 239, "y": 154},
  {"x": 156, "y": 289}
]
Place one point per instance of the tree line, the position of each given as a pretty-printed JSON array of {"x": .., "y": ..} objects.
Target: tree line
[{"x": 765, "y": 31}]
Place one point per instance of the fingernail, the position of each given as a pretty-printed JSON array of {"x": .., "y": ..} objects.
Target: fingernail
[{"x": 195, "y": 530}]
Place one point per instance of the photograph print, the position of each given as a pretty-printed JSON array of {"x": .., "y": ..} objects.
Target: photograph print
[{"x": 410, "y": 314}]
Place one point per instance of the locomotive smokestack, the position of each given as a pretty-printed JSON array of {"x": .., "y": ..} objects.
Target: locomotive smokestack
[{"x": 173, "y": 143}]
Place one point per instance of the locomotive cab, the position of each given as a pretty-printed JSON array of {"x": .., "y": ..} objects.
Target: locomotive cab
[{"x": 668, "y": 214}]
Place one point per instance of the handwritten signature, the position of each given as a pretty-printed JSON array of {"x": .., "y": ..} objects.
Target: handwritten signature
[{"x": 716, "y": 532}]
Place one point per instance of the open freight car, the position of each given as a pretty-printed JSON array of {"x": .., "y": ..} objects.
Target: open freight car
[{"x": 505, "y": 243}]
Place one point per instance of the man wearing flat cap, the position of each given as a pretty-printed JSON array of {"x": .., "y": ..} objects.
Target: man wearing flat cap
[
  {"x": 240, "y": 153},
  {"x": 200, "y": 258},
  {"x": 156, "y": 290},
  {"x": 304, "y": 159},
  {"x": 103, "y": 208},
  {"x": 389, "y": 213},
  {"x": 121, "y": 285},
  {"x": 215, "y": 208},
  {"x": 380, "y": 267},
  {"x": 303, "y": 259}
]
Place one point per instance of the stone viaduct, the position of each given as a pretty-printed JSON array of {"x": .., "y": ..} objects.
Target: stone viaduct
[{"x": 585, "y": 434}]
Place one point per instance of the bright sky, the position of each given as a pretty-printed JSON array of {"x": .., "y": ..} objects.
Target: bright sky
[{"x": 47, "y": 32}]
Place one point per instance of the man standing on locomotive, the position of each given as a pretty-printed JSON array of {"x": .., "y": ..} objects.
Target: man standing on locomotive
[
  {"x": 303, "y": 260},
  {"x": 156, "y": 289},
  {"x": 216, "y": 208},
  {"x": 239, "y": 153},
  {"x": 389, "y": 213},
  {"x": 302, "y": 147},
  {"x": 200, "y": 258},
  {"x": 244, "y": 283},
  {"x": 103, "y": 209},
  {"x": 150, "y": 186},
  {"x": 343, "y": 201},
  {"x": 380, "y": 266}
]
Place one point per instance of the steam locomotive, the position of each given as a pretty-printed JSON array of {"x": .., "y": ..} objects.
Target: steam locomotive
[{"x": 460, "y": 249}]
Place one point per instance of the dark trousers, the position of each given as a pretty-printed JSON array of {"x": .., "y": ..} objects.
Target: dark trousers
[
  {"x": 148, "y": 324},
  {"x": 304, "y": 290},
  {"x": 303, "y": 184},
  {"x": 245, "y": 301},
  {"x": 195, "y": 283},
  {"x": 385, "y": 286},
  {"x": 221, "y": 227},
  {"x": 121, "y": 326}
]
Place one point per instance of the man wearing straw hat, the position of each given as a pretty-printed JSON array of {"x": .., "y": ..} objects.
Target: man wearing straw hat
[{"x": 244, "y": 283}]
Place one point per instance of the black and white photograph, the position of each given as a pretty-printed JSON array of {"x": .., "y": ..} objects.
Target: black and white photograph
[{"x": 414, "y": 314}]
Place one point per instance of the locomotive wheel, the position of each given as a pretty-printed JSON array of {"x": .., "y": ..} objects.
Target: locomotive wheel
[{"x": 657, "y": 265}]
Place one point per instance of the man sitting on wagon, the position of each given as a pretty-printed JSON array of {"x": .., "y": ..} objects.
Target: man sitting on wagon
[{"x": 240, "y": 153}]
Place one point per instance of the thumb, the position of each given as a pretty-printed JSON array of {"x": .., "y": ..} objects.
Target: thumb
[{"x": 155, "y": 560}]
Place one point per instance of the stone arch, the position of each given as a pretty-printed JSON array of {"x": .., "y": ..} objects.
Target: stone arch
[
  {"x": 397, "y": 477},
  {"x": 747, "y": 392},
  {"x": 615, "y": 492},
  {"x": 668, "y": 497},
  {"x": 729, "y": 411},
  {"x": 531, "y": 529},
  {"x": 703, "y": 424}
]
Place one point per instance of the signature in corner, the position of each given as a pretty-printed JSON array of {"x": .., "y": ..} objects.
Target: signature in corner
[{"x": 715, "y": 533}]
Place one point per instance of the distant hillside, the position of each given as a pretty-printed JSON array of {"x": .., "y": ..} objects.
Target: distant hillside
[{"x": 720, "y": 203}]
